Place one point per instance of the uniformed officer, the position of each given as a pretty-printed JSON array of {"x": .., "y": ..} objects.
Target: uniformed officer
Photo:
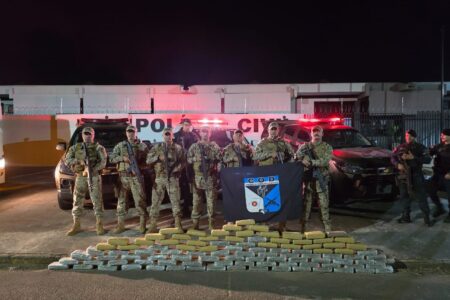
[
  {"x": 204, "y": 156},
  {"x": 167, "y": 158},
  {"x": 87, "y": 160},
  {"x": 185, "y": 138},
  {"x": 238, "y": 154},
  {"x": 274, "y": 150},
  {"x": 441, "y": 175},
  {"x": 316, "y": 155},
  {"x": 129, "y": 155},
  {"x": 408, "y": 159}
]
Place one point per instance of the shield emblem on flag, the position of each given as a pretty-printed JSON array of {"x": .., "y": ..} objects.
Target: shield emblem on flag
[{"x": 262, "y": 194}]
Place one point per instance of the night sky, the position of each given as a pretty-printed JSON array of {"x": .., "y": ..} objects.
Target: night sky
[{"x": 222, "y": 43}]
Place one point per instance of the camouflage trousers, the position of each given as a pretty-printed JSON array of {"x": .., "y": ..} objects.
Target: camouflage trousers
[
  {"x": 173, "y": 190},
  {"x": 81, "y": 189},
  {"x": 131, "y": 184},
  {"x": 200, "y": 188},
  {"x": 313, "y": 190}
]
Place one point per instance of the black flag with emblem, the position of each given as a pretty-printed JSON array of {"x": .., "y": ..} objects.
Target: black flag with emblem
[{"x": 266, "y": 193}]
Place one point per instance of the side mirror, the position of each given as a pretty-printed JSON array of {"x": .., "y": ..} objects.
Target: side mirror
[{"x": 61, "y": 146}]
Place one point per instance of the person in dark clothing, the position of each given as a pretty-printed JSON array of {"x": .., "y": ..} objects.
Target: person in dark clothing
[
  {"x": 408, "y": 159},
  {"x": 441, "y": 174},
  {"x": 185, "y": 138}
]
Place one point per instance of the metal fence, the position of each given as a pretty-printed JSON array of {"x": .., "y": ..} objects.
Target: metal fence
[{"x": 388, "y": 130}]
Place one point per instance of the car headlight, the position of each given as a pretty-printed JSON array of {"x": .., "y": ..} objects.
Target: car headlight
[
  {"x": 63, "y": 168},
  {"x": 350, "y": 169},
  {"x": 2, "y": 163}
]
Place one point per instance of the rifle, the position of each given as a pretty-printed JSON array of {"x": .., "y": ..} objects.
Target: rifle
[
  {"x": 238, "y": 153},
  {"x": 188, "y": 177},
  {"x": 316, "y": 174},
  {"x": 89, "y": 167},
  {"x": 134, "y": 167},
  {"x": 406, "y": 174},
  {"x": 204, "y": 165},
  {"x": 279, "y": 157},
  {"x": 166, "y": 164}
]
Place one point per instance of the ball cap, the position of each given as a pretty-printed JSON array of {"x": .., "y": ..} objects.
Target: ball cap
[
  {"x": 88, "y": 130},
  {"x": 273, "y": 124},
  {"x": 167, "y": 129},
  {"x": 446, "y": 131},
  {"x": 186, "y": 121},
  {"x": 131, "y": 128},
  {"x": 412, "y": 132},
  {"x": 317, "y": 128}
]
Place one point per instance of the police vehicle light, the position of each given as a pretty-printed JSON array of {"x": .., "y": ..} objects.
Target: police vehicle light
[
  {"x": 213, "y": 122},
  {"x": 2, "y": 163},
  {"x": 332, "y": 120}
]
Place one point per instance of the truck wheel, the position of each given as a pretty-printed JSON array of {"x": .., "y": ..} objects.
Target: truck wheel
[{"x": 64, "y": 204}]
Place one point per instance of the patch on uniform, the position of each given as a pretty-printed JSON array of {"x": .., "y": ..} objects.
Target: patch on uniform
[{"x": 262, "y": 194}]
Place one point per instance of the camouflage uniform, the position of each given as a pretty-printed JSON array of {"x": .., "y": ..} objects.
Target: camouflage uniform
[
  {"x": 163, "y": 182},
  {"x": 212, "y": 157},
  {"x": 97, "y": 158},
  {"x": 267, "y": 146},
  {"x": 128, "y": 180},
  {"x": 231, "y": 158},
  {"x": 323, "y": 153}
]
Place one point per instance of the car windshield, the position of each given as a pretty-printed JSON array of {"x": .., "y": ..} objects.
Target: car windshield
[
  {"x": 345, "y": 138},
  {"x": 107, "y": 137}
]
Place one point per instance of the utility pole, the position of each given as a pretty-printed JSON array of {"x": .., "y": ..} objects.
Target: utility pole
[{"x": 442, "y": 75}]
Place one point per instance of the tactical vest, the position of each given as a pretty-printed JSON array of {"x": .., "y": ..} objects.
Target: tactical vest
[{"x": 80, "y": 154}]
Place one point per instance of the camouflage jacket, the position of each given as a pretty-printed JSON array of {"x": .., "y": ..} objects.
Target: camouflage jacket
[
  {"x": 140, "y": 151},
  {"x": 175, "y": 159},
  {"x": 231, "y": 158},
  {"x": 267, "y": 146},
  {"x": 212, "y": 157},
  {"x": 76, "y": 155},
  {"x": 322, "y": 152}
]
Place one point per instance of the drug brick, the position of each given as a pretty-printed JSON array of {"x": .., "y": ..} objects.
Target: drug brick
[
  {"x": 259, "y": 228},
  {"x": 232, "y": 227},
  {"x": 185, "y": 247},
  {"x": 344, "y": 251},
  {"x": 302, "y": 242},
  {"x": 154, "y": 236},
  {"x": 347, "y": 239},
  {"x": 321, "y": 241},
  {"x": 245, "y": 222},
  {"x": 208, "y": 248},
  {"x": 128, "y": 247},
  {"x": 269, "y": 234},
  {"x": 195, "y": 232},
  {"x": 167, "y": 231},
  {"x": 337, "y": 234},
  {"x": 245, "y": 233},
  {"x": 323, "y": 251},
  {"x": 290, "y": 246},
  {"x": 268, "y": 245},
  {"x": 312, "y": 247},
  {"x": 236, "y": 239},
  {"x": 83, "y": 267},
  {"x": 131, "y": 267},
  {"x": 208, "y": 238},
  {"x": 257, "y": 239},
  {"x": 155, "y": 268},
  {"x": 280, "y": 241},
  {"x": 107, "y": 268},
  {"x": 118, "y": 241},
  {"x": 68, "y": 261},
  {"x": 143, "y": 242},
  {"x": 57, "y": 266},
  {"x": 181, "y": 236},
  {"x": 314, "y": 235},
  {"x": 291, "y": 235}
]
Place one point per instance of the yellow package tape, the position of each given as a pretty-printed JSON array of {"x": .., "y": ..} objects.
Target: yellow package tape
[
  {"x": 218, "y": 232},
  {"x": 358, "y": 247},
  {"x": 269, "y": 234},
  {"x": 314, "y": 235},
  {"x": 321, "y": 241},
  {"x": 168, "y": 242},
  {"x": 232, "y": 227},
  {"x": 127, "y": 247},
  {"x": 291, "y": 246},
  {"x": 323, "y": 251},
  {"x": 208, "y": 248},
  {"x": 302, "y": 242},
  {"x": 280, "y": 241},
  {"x": 185, "y": 247},
  {"x": 344, "y": 251},
  {"x": 116, "y": 241},
  {"x": 292, "y": 235},
  {"x": 208, "y": 238},
  {"x": 197, "y": 243},
  {"x": 170, "y": 230},
  {"x": 348, "y": 240},
  {"x": 333, "y": 245},
  {"x": 143, "y": 242},
  {"x": 105, "y": 246},
  {"x": 245, "y": 233},
  {"x": 267, "y": 245},
  {"x": 154, "y": 236},
  {"x": 260, "y": 228},
  {"x": 181, "y": 236},
  {"x": 245, "y": 222},
  {"x": 236, "y": 239},
  {"x": 312, "y": 246},
  {"x": 194, "y": 232}
]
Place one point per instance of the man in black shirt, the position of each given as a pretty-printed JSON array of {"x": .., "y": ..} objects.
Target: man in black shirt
[
  {"x": 185, "y": 138},
  {"x": 441, "y": 174},
  {"x": 408, "y": 159}
]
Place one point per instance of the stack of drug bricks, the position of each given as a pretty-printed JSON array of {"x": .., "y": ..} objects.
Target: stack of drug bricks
[{"x": 242, "y": 246}]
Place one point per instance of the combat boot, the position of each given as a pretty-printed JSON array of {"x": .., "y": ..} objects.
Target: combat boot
[
  {"x": 142, "y": 224},
  {"x": 211, "y": 223},
  {"x": 76, "y": 227},
  {"x": 152, "y": 227},
  {"x": 427, "y": 220},
  {"x": 120, "y": 225},
  {"x": 405, "y": 218},
  {"x": 281, "y": 226},
  {"x": 327, "y": 227},
  {"x": 178, "y": 223},
  {"x": 194, "y": 223},
  {"x": 302, "y": 226},
  {"x": 99, "y": 226}
]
